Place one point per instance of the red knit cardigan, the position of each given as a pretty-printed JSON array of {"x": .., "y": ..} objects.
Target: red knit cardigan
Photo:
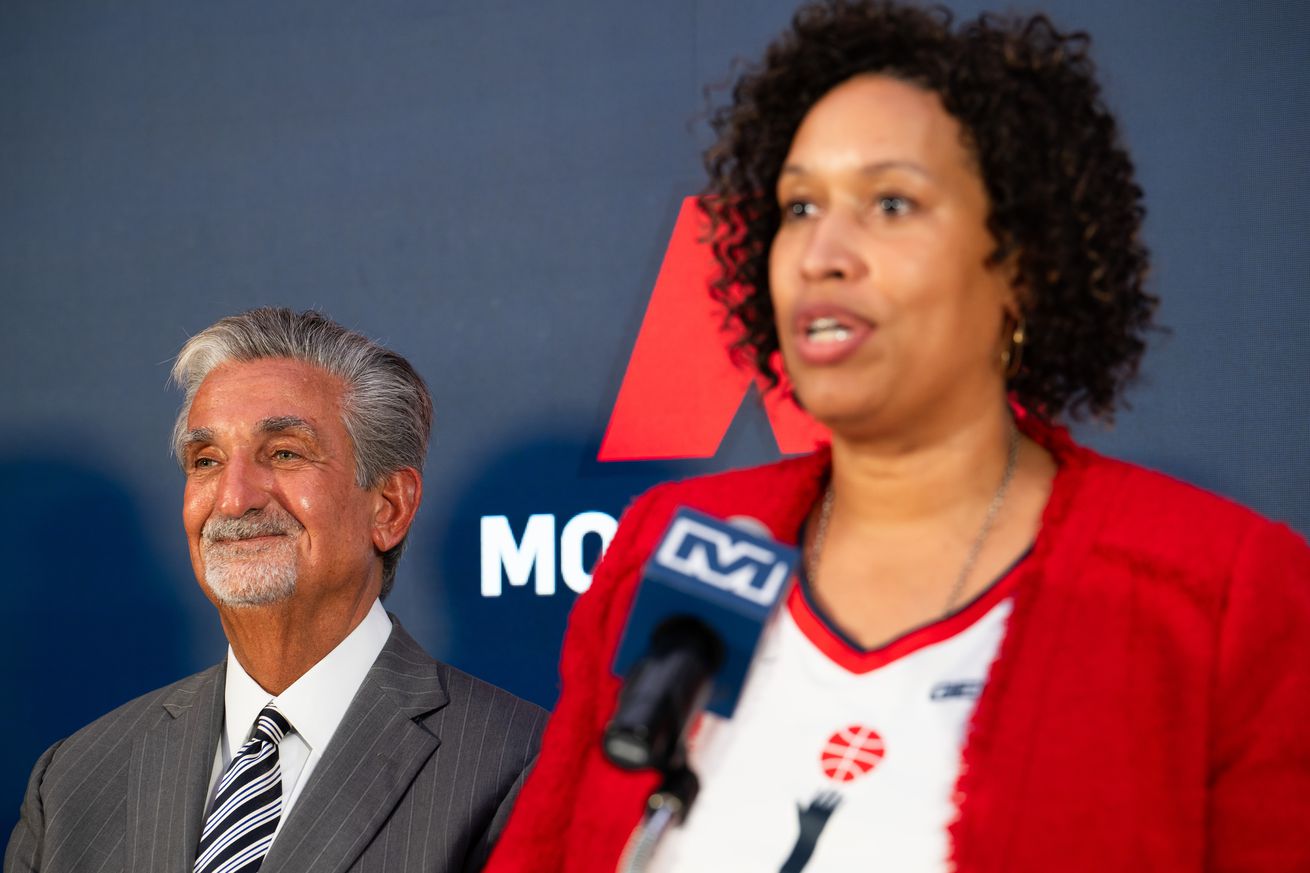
[{"x": 1149, "y": 708}]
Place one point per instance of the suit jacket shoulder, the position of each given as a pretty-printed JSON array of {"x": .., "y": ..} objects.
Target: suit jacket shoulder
[{"x": 89, "y": 792}]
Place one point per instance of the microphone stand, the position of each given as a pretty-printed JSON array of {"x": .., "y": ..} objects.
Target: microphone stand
[{"x": 667, "y": 807}]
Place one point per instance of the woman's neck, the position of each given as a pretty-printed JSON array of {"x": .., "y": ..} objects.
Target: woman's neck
[{"x": 908, "y": 477}]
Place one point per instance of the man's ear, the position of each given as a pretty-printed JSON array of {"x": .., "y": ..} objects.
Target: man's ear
[{"x": 397, "y": 500}]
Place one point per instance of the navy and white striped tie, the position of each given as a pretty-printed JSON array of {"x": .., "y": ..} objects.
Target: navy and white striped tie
[{"x": 246, "y": 808}]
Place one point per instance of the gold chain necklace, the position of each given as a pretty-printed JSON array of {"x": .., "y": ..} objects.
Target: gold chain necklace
[{"x": 975, "y": 548}]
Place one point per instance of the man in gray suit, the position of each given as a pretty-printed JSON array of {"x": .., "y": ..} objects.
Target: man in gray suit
[{"x": 328, "y": 740}]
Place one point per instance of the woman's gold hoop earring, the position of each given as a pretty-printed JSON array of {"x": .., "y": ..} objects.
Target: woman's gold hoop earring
[{"x": 1012, "y": 354}]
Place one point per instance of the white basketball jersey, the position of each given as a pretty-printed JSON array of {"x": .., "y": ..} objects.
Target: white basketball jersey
[{"x": 838, "y": 759}]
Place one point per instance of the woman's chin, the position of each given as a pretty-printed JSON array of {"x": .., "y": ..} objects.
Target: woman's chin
[{"x": 842, "y": 413}]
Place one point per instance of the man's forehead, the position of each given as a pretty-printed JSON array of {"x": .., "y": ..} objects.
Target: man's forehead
[{"x": 266, "y": 396}]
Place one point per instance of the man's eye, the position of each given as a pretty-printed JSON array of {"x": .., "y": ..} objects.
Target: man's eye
[
  {"x": 285, "y": 455},
  {"x": 203, "y": 463},
  {"x": 895, "y": 204}
]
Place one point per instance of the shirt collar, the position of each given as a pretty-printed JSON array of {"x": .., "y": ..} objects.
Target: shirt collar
[{"x": 317, "y": 701}]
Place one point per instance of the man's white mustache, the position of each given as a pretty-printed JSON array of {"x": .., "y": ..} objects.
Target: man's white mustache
[{"x": 264, "y": 523}]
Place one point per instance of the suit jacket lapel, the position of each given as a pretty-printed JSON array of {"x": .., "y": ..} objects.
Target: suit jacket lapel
[
  {"x": 378, "y": 749},
  {"x": 168, "y": 776}
]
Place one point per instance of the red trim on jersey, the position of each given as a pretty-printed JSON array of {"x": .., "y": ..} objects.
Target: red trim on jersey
[{"x": 855, "y": 660}]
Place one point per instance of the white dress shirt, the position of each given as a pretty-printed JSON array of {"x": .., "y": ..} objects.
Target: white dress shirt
[{"x": 314, "y": 704}]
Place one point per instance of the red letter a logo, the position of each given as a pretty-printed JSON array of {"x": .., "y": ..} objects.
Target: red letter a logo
[{"x": 681, "y": 390}]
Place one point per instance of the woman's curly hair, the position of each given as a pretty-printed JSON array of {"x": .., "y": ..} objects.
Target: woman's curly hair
[{"x": 1063, "y": 198}]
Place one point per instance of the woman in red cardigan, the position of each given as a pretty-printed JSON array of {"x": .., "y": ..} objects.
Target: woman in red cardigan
[{"x": 1003, "y": 652}]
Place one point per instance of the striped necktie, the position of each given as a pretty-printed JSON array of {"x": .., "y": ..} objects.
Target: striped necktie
[{"x": 246, "y": 808}]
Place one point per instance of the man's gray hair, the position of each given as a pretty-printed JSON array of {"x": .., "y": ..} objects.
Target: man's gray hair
[{"x": 387, "y": 409}]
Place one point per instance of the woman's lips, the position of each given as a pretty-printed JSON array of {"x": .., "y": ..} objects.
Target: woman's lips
[{"x": 827, "y": 335}]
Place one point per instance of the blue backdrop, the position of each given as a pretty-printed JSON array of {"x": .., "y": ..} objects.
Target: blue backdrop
[{"x": 489, "y": 188}]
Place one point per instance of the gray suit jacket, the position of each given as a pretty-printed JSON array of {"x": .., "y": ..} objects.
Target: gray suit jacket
[{"x": 419, "y": 776}]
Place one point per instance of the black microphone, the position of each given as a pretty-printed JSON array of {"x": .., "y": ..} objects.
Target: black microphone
[{"x": 705, "y": 596}]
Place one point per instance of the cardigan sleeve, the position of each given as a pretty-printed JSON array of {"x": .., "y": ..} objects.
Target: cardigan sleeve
[
  {"x": 1259, "y": 798},
  {"x": 535, "y": 839}
]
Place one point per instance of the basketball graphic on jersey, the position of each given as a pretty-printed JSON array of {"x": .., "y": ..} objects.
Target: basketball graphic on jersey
[{"x": 851, "y": 752}]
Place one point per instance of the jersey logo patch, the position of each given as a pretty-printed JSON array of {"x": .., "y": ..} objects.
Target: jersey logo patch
[
  {"x": 969, "y": 689},
  {"x": 850, "y": 753}
]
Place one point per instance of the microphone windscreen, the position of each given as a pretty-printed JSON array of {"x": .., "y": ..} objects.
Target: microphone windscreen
[{"x": 728, "y": 578}]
